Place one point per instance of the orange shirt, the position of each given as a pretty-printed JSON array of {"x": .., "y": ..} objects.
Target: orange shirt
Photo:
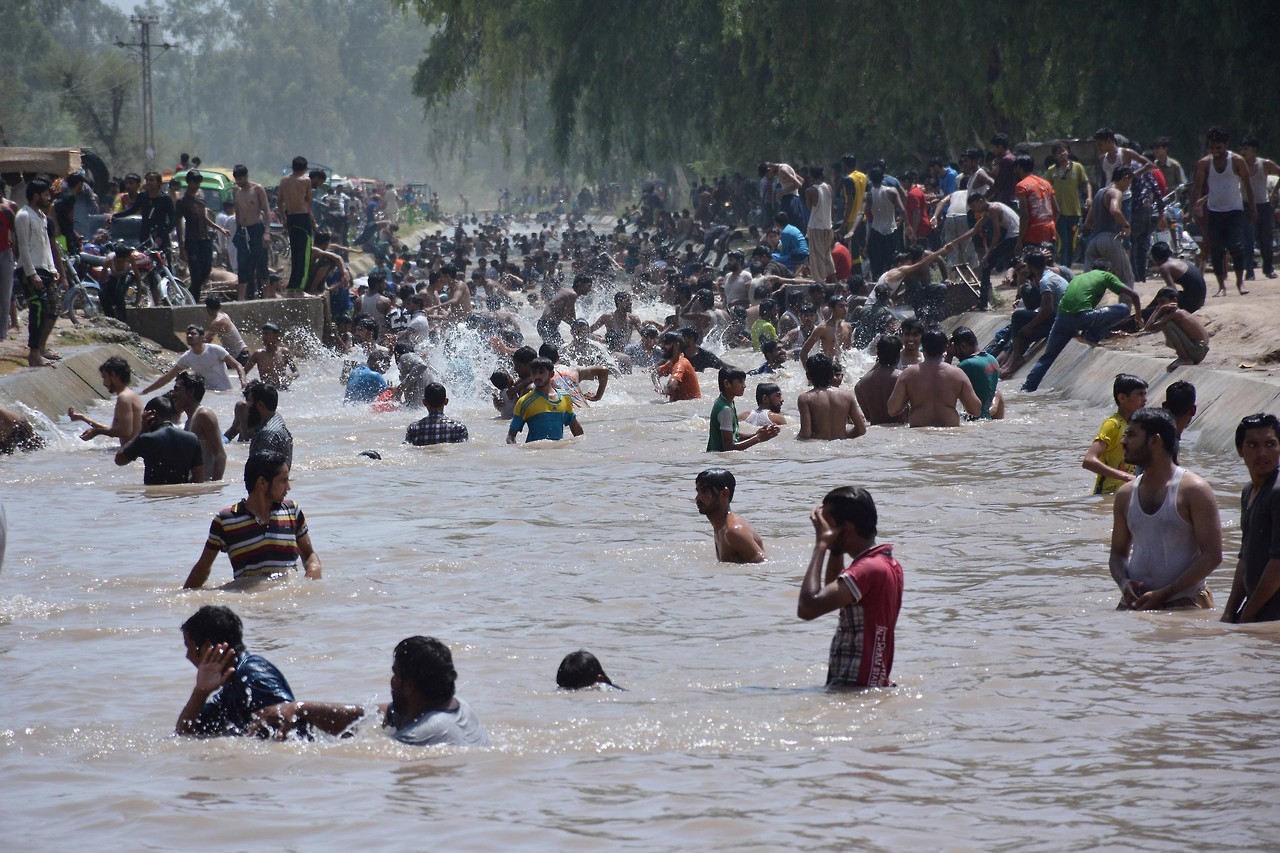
[
  {"x": 684, "y": 377},
  {"x": 1035, "y": 196}
]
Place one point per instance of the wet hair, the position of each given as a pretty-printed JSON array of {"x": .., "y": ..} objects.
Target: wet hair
[
  {"x": 912, "y": 325},
  {"x": 549, "y": 352},
  {"x": 671, "y": 338},
  {"x": 1126, "y": 383},
  {"x": 933, "y": 342},
  {"x": 1160, "y": 251},
  {"x": 819, "y": 369},
  {"x": 619, "y": 296},
  {"x": 264, "y": 393},
  {"x": 1120, "y": 173},
  {"x": 266, "y": 464},
  {"x": 427, "y": 665},
  {"x": 580, "y": 280},
  {"x": 524, "y": 355},
  {"x": 964, "y": 335},
  {"x": 717, "y": 478},
  {"x": 1217, "y": 133},
  {"x": 1104, "y": 133},
  {"x": 368, "y": 324},
  {"x": 434, "y": 395},
  {"x": 39, "y": 185},
  {"x": 730, "y": 374},
  {"x": 199, "y": 330},
  {"x": 239, "y": 170},
  {"x": 888, "y": 350},
  {"x": 579, "y": 670},
  {"x": 1159, "y": 422},
  {"x": 162, "y": 406},
  {"x": 768, "y": 347},
  {"x": 1258, "y": 421},
  {"x": 378, "y": 360},
  {"x": 118, "y": 367},
  {"x": 193, "y": 382},
  {"x": 1179, "y": 398},
  {"x": 544, "y": 364},
  {"x": 768, "y": 306},
  {"x": 213, "y": 303},
  {"x": 765, "y": 389},
  {"x": 299, "y": 163},
  {"x": 689, "y": 333},
  {"x": 1167, "y": 293},
  {"x": 215, "y": 623},
  {"x": 852, "y": 505}
]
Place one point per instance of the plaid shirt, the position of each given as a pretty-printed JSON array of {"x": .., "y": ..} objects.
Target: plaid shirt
[{"x": 435, "y": 428}]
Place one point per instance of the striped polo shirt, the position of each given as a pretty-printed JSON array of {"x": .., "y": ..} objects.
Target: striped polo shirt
[{"x": 259, "y": 550}]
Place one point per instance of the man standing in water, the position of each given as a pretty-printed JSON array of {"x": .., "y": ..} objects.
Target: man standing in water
[
  {"x": 208, "y": 360},
  {"x": 294, "y": 210},
  {"x": 126, "y": 421},
  {"x": 544, "y": 409},
  {"x": 874, "y": 388},
  {"x": 825, "y": 410},
  {"x": 1166, "y": 536},
  {"x": 1255, "y": 590},
  {"x": 214, "y": 638},
  {"x": 188, "y": 391},
  {"x": 724, "y": 416},
  {"x": 562, "y": 308},
  {"x": 868, "y": 593},
  {"x": 736, "y": 540},
  {"x": 274, "y": 362},
  {"x": 932, "y": 388},
  {"x": 264, "y": 534},
  {"x": 221, "y": 324},
  {"x": 170, "y": 455}
]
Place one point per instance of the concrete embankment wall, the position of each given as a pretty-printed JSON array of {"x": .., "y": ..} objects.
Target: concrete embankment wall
[
  {"x": 168, "y": 326},
  {"x": 71, "y": 383},
  {"x": 1085, "y": 373}
]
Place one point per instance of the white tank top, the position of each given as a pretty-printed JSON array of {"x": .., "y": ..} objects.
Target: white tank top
[
  {"x": 1258, "y": 179},
  {"x": 231, "y": 340},
  {"x": 1164, "y": 543},
  {"x": 1224, "y": 186},
  {"x": 959, "y": 204},
  {"x": 882, "y": 210},
  {"x": 820, "y": 216}
]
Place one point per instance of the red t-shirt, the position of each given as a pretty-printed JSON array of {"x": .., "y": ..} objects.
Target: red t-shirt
[
  {"x": 684, "y": 377},
  {"x": 7, "y": 227},
  {"x": 862, "y": 649},
  {"x": 1034, "y": 196},
  {"x": 843, "y": 261},
  {"x": 918, "y": 212}
]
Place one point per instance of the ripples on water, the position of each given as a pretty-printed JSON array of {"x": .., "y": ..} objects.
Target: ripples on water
[{"x": 1027, "y": 712}]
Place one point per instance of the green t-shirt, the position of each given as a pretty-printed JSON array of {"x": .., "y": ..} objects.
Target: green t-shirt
[
  {"x": 724, "y": 416},
  {"x": 762, "y": 330},
  {"x": 1084, "y": 292},
  {"x": 984, "y": 374},
  {"x": 1066, "y": 187}
]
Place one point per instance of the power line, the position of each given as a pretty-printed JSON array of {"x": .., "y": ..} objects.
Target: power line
[{"x": 143, "y": 49}]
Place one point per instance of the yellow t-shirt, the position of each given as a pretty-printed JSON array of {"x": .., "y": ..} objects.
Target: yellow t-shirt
[{"x": 1110, "y": 433}]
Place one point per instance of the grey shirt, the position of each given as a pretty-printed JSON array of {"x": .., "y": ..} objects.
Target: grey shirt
[
  {"x": 458, "y": 727},
  {"x": 1260, "y": 543}
]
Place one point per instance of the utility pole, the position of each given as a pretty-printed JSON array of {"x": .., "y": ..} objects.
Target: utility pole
[{"x": 143, "y": 49}]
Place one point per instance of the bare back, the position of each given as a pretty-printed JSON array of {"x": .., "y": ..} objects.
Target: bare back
[
  {"x": 826, "y": 413},
  {"x": 128, "y": 413},
  {"x": 873, "y": 392},
  {"x": 932, "y": 389},
  {"x": 295, "y": 195}
]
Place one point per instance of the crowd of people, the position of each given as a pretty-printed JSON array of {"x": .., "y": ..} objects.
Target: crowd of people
[{"x": 824, "y": 270}]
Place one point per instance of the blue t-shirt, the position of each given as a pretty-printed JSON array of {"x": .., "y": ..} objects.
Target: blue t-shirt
[
  {"x": 793, "y": 248},
  {"x": 947, "y": 183},
  {"x": 546, "y": 418},
  {"x": 256, "y": 684},
  {"x": 364, "y": 385}
]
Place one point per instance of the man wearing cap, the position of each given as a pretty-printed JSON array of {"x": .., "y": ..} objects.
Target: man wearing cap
[{"x": 209, "y": 360}]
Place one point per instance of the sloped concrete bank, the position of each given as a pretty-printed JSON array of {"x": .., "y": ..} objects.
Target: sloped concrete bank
[
  {"x": 1085, "y": 373},
  {"x": 71, "y": 383}
]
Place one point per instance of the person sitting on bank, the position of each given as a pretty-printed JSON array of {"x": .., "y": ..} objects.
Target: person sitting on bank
[
  {"x": 231, "y": 684},
  {"x": 1183, "y": 333},
  {"x": 424, "y": 708}
]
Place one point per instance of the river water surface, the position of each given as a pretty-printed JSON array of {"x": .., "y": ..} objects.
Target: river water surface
[{"x": 1027, "y": 713}]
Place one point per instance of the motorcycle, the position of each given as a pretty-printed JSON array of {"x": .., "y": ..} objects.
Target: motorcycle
[{"x": 158, "y": 281}]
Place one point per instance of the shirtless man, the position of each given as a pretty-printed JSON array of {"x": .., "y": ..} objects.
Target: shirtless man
[
  {"x": 188, "y": 391},
  {"x": 619, "y": 323},
  {"x": 457, "y": 302},
  {"x": 933, "y": 387},
  {"x": 294, "y": 209},
  {"x": 1176, "y": 272},
  {"x": 736, "y": 540},
  {"x": 874, "y": 388},
  {"x": 253, "y": 234},
  {"x": 273, "y": 360},
  {"x": 229, "y": 337},
  {"x": 562, "y": 308},
  {"x": 16, "y": 434},
  {"x": 827, "y": 411},
  {"x": 126, "y": 421},
  {"x": 1184, "y": 334},
  {"x": 833, "y": 333}
]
